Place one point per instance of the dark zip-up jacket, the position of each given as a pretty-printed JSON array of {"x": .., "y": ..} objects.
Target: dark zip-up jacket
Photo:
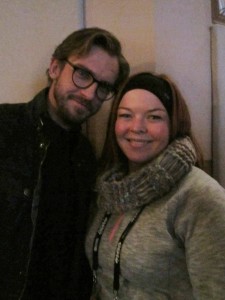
[{"x": 42, "y": 261}]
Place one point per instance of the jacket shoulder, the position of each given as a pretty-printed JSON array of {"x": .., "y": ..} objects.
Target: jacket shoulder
[{"x": 12, "y": 112}]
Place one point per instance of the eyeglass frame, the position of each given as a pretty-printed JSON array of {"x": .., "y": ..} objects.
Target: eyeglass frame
[{"x": 100, "y": 83}]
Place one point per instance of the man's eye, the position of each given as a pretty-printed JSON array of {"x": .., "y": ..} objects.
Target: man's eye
[
  {"x": 83, "y": 73},
  {"x": 106, "y": 87}
]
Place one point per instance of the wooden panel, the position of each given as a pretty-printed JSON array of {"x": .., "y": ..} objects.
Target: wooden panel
[{"x": 218, "y": 79}]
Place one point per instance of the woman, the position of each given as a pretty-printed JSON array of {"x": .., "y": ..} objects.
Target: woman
[{"x": 159, "y": 231}]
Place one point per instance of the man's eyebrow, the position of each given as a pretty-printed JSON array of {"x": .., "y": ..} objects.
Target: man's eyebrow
[
  {"x": 93, "y": 75},
  {"x": 85, "y": 68}
]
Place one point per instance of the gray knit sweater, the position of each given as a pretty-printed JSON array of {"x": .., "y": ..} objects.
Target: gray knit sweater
[{"x": 176, "y": 249}]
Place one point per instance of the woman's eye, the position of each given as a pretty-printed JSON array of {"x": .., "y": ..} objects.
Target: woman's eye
[
  {"x": 154, "y": 117},
  {"x": 124, "y": 116}
]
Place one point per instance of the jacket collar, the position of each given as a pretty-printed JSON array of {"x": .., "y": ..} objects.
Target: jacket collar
[{"x": 38, "y": 111}]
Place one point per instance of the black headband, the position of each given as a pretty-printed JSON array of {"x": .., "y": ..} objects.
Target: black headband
[{"x": 153, "y": 84}]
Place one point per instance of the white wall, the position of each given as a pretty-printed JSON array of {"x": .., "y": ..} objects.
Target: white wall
[
  {"x": 132, "y": 22},
  {"x": 171, "y": 37},
  {"x": 29, "y": 32},
  {"x": 182, "y": 47}
]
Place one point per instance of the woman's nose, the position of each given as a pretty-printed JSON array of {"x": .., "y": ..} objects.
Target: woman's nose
[{"x": 138, "y": 126}]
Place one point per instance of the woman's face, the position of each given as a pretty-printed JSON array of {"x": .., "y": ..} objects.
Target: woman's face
[{"x": 142, "y": 127}]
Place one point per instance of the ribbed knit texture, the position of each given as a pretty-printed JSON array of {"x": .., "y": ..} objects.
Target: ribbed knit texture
[{"x": 121, "y": 193}]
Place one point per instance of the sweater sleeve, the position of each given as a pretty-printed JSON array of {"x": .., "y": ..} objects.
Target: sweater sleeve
[{"x": 200, "y": 224}]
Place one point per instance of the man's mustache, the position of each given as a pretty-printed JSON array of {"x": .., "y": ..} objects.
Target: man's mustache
[{"x": 80, "y": 100}]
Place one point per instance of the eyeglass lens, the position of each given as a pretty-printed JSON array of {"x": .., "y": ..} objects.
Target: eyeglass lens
[{"x": 84, "y": 79}]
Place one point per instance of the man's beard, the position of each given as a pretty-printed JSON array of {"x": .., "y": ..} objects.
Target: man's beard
[{"x": 79, "y": 115}]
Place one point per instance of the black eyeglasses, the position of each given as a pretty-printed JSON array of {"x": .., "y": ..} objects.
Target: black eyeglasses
[{"x": 83, "y": 79}]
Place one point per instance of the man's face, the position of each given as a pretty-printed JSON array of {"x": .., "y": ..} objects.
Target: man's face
[{"x": 69, "y": 104}]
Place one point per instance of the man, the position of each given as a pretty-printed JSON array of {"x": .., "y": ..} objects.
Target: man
[{"x": 47, "y": 171}]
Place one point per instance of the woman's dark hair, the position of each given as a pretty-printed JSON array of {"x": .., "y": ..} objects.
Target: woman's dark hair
[{"x": 180, "y": 120}]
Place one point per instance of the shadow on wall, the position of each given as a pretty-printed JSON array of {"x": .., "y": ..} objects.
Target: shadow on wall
[{"x": 96, "y": 127}]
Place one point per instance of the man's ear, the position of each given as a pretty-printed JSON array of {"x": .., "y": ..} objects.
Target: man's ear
[{"x": 54, "y": 69}]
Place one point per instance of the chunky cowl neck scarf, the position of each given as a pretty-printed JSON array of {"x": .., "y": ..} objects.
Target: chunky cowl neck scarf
[{"x": 119, "y": 192}]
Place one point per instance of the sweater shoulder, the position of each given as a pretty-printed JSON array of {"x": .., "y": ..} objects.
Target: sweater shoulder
[
  {"x": 200, "y": 183},
  {"x": 198, "y": 198}
]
